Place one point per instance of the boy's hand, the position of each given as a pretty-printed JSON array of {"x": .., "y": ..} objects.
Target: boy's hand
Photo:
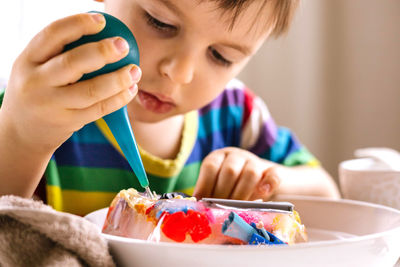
[
  {"x": 44, "y": 104},
  {"x": 237, "y": 174}
]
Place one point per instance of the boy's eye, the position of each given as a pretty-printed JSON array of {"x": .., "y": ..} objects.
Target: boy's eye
[
  {"x": 219, "y": 58},
  {"x": 159, "y": 25}
]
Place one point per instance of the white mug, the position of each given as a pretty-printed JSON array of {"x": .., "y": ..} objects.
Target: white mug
[{"x": 368, "y": 180}]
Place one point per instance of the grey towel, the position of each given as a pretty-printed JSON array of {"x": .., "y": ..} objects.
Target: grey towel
[{"x": 34, "y": 234}]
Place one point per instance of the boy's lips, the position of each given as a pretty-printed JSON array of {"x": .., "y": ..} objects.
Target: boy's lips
[{"x": 157, "y": 104}]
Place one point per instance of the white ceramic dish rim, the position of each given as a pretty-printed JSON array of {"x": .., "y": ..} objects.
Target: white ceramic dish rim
[
  {"x": 345, "y": 166},
  {"x": 313, "y": 244}
]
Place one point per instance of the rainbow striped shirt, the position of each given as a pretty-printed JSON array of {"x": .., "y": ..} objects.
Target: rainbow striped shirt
[{"x": 87, "y": 171}]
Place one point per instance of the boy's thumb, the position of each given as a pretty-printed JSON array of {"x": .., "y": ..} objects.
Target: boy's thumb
[{"x": 268, "y": 184}]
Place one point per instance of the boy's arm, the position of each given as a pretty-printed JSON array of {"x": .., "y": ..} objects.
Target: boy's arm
[
  {"x": 298, "y": 170},
  {"x": 20, "y": 169},
  {"x": 306, "y": 180},
  {"x": 21, "y": 166}
]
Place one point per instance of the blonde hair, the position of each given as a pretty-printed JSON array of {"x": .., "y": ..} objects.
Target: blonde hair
[{"x": 282, "y": 12}]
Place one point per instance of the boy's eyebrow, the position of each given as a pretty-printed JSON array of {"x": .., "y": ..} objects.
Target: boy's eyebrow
[{"x": 171, "y": 6}]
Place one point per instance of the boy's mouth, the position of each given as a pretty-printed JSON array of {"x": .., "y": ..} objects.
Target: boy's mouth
[{"x": 155, "y": 104}]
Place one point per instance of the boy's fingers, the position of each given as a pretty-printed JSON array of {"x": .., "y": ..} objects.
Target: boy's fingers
[
  {"x": 248, "y": 180},
  {"x": 230, "y": 172},
  {"x": 87, "y": 93},
  {"x": 208, "y": 175},
  {"x": 52, "y": 39},
  {"x": 105, "y": 107},
  {"x": 69, "y": 67}
]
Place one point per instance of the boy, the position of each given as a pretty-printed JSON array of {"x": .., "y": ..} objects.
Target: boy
[{"x": 199, "y": 130}]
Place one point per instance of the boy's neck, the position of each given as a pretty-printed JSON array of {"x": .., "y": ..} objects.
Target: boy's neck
[{"x": 161, "y": 139}]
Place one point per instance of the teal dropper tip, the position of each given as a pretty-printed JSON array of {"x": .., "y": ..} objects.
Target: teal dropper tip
[{"x": 120, "y": 126}]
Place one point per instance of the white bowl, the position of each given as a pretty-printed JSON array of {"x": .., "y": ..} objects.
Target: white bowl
[
  {"x": 368, "y": 180},
  {"x": 342, "y": 233}
]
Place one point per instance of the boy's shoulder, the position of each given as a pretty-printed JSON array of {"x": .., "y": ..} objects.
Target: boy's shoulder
[
  {"x": 235, "y": 84},
  {"x": 235, "y": 93}
]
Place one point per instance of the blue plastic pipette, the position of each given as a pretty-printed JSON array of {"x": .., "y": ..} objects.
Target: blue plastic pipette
[
  {"x": 118, "y": 121},
  {"x": 119, "y": 124}
]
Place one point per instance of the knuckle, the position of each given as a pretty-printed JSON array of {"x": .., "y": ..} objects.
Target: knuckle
[
  {"x": 214, "y": 156},
  {"x": 104, "y": 48},
  {"x": 210, "y": 164},
  {"x": 82, "y": 20},
  {"x": 66, "y": 61},
  {"x": 46, "y": 32},
  {"x": 231, "y": 170},
  {"x": 102, "y": 108},
  {"x": 49, "y": 30},
  {"x": 30, "y": 80},
  {"x": 125, "y": 98},
  {"x": 252, "y": 174},
  {"x": 91, "y": 89},
  {"x": 124, "y": 80},
  {"x": 231, "y": 149}
]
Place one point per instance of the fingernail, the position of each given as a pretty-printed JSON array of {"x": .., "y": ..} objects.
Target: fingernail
[
  {"x": 133, "y": 89},
  {"x": 135, "y": 73},
  {"x": 98, "y": 18},
  {"x": 265, "y": 188},
  {"x": 121, "y": 44}
]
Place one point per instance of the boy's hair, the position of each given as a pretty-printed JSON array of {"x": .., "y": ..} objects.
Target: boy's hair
[{"x": 282, "y": 12}]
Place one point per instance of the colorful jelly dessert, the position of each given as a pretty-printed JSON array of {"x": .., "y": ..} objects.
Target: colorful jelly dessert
[{"x": 178, "y": 218}]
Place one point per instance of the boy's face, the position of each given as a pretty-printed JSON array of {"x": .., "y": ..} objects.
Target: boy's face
[{"x": 187, "y": 52}]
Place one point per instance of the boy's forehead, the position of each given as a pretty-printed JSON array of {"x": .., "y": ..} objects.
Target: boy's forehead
[{"x": 255, "y": 15}]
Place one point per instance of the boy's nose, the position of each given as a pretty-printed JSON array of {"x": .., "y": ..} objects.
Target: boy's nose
[{"x": 178, "y": 67}]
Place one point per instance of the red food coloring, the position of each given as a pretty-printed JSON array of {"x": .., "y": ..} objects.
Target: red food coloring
[
  {"x": 199, "y": 227},
  {"x": 178, "y": 224},
  {"x": 110, "y": 209},
  {"x": 175, "y": 226},
  {"x": 149, "y": 209}
]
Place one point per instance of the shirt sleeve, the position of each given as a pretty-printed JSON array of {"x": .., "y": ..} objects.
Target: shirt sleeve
[{"x": 264, "y": 138}]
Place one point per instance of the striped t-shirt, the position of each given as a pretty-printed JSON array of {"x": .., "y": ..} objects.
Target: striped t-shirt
[{"x": 87, "y": 171}]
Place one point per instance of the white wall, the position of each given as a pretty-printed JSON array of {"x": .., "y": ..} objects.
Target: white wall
[
  {"x": 335, "y": 78},
  {"x": 20, "y": 20}
]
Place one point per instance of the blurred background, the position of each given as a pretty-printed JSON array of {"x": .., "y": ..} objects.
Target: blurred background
[{"x": 334, "y": 79}]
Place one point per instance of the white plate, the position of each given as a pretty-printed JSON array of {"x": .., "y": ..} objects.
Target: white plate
[{"x": 342, "y": 233}]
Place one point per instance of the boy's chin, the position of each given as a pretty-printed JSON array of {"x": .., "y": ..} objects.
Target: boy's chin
[{"x": 144, "y": 116}]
